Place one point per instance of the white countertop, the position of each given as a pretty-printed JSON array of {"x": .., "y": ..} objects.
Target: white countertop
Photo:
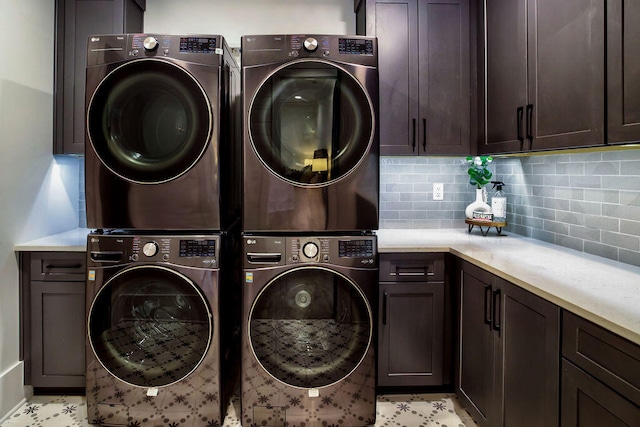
[
  {"x": 69, "y": 241},
  {"x": 604, "y": 291}
]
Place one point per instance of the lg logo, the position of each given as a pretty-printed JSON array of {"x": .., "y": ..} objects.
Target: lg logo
[{"x": 251, "y": 241}]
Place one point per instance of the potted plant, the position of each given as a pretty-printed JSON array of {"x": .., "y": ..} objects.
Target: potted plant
[{"x": 479, "y": 176}]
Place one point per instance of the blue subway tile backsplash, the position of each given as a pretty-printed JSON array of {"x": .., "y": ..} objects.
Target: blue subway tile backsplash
[{"x": 587, "y": 201}]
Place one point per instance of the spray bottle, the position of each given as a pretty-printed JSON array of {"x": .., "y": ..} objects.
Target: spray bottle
[{"x": 499, "y": 203}]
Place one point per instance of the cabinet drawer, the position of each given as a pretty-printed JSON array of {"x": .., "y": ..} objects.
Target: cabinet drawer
[
  {"x": 603, "y": 354},
  {"x": 412, "y": 267},
  {"x": 58, "y": 266}
]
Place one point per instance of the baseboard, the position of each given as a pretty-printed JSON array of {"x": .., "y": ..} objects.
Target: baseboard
[{"x": 12, "y": 390}]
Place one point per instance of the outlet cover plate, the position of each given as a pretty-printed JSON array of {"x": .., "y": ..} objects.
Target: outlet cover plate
[{"x": 438, "y": 191}]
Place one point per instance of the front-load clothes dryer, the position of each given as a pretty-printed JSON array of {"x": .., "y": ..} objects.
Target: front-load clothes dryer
[
  {"x": 160, "y": 321},
  {"x": 308, "y": 357},
  {"x": 162, "y": 132},
  {"x": 310, "y": 140}
]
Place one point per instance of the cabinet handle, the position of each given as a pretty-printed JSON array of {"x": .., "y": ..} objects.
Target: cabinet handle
[
  {"x": 424, "y": 134},
  {"x": 420, "y": 271},
  {"x": 530, "y": 123},
  {"x": 487, "y": 305},
  {"x": 519, "y": 115},
  {"x": 496, "y": 310},
  {"x": 384, "y": 308},
  {"x": 414, "y": 136}
]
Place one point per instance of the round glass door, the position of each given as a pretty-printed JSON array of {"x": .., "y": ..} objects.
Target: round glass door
[
  {"x": 149, "y": 121},
  {"x": 150, "y": 326},
  {"x": 311, "y": 123},
  {"x": 310, "y": 327}
]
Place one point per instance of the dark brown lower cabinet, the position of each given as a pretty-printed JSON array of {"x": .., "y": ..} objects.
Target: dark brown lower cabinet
[
  {"x": 600, "y": 376},
  {"x": 412, "y": 348},
  {"x": 53, "y": 290},
  {"x": 507, "y": 360},
  {"x": 586, "y": 402}
]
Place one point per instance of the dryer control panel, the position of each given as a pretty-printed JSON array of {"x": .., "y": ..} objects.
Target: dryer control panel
[{"x": 268, "y": 49}]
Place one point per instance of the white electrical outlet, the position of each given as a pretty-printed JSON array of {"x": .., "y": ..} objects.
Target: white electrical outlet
[{"x": 438, "y": 191}]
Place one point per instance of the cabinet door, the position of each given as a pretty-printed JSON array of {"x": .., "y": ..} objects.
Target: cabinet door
[
  {"x": 395, "y": 24},
  {"x": 623, "y": 68},
  {"x": 586, "y": 402},
  {"x": 505, "y": 86},
  {"x": 410, "y": 329},
  {"x": 529, "y": 332},
  {"x": 566, "y": 73},
  {"x": 424, "y": 71},
  {"x": 75, "y": 21},
  {"x": 509, "y": 351},
  {"x": 444, "y": 68},
  {"x": 57, "y": 334},
  {"x": 478, "y": 373},
  {"x": 544, "y": 83}
]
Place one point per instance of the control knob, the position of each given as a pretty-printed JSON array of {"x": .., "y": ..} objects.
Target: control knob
[
  {"x": 310, "y": 250},
  {"x": 150, "y": 249},
  {"x": 310, "y": 44},
  {"x": 150, "y": 44}
]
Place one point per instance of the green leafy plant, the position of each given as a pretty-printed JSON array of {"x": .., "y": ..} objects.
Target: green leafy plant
[{"x": 479, "y": 173}]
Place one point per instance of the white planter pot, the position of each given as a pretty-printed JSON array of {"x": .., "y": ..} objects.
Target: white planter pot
[{"x": 479, "y": 205}]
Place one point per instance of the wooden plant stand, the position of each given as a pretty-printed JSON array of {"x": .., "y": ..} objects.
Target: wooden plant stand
[{"x": 488, "y": 224}]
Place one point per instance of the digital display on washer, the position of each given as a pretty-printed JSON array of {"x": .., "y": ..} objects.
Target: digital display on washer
[
  {"x": 197, "y": 45},
  {"x": 355, "y": 46},
  {"x": 197, "y": 248},
  {"x": 355, "y": 248}
]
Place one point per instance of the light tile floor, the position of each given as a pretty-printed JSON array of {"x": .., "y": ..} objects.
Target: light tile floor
[{"x": 403, "y": 410}]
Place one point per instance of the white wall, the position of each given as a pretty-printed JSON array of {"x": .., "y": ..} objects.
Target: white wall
[
  {"x": 235, "y": 18},
  {"x": 38, "y": 195}
]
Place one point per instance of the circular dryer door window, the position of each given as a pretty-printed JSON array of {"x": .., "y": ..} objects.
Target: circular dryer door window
[
  {"x": 311, "y": 123},
  {"x": 150, "y": 326},
  {"x": 149, "y": 121},
  {"x": 310, "y": 327}
]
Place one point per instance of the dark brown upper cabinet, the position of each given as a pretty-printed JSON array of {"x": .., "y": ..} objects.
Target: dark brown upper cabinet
[
  {"x": 623, "y": 69},
  {"x": 543, "y": 75},
  {"x": 424, "y": 68},
  {"x": 76, "y": 20}
]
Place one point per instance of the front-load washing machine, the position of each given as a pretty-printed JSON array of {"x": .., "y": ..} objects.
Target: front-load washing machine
[
  {"x": 161, "y": 321},
  {"x": 308, "y": 357},
  {"x": 310, "y": 133},
  {"x": 162, "y": 133}
]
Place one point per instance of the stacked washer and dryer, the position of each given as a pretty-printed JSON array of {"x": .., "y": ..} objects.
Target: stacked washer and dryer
[
  {"x": 162, "y": 164},
  {"x": 310, "y": 206}
]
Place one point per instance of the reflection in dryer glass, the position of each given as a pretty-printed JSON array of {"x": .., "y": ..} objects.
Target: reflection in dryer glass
[
  {"x": 310, "y": 328},
  {"x": 149, "y": 327},
  {"x": 311, "y": 123}
]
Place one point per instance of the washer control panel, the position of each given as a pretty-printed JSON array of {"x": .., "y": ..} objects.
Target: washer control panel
[
  {"x": 355, "y": 248},
  {"x": 348, "y": 251},
  {"x": 195, "y": 251},
  {"x": 352, "y": 250}
]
